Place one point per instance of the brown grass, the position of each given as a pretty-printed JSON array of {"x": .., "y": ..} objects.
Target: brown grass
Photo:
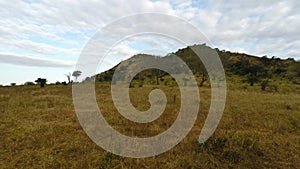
[{"x": 39, "y": 129}]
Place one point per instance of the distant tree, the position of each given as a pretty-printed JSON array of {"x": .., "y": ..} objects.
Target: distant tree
[
  {"x": 29, "y": 83},
  {"x": 64, "y": 83},
  {"x": 76, "y": 74},
  {"x": 251, "y": 79},
  {"x": 57, "y": 83},
  {"x": 291, "y": 59},
  {"x": 265, "y": 61},
  {"x": 158, "y": 75},
  {"x": 69, "y": 77},
  {"x": 89, "y": 79},
  {"x": 106, "y": 76},
  {"x": 41, "y": 82},
  {"x": 13, "y": 84}
]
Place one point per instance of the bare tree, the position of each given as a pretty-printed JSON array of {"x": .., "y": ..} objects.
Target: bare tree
[{"x": 69, "y": 77}]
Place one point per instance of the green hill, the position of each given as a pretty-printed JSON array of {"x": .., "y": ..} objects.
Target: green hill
[{"x": 239, "y": 68}]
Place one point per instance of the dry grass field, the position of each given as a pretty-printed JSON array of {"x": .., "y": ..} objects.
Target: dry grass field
[{"x": 39, "y": 129}]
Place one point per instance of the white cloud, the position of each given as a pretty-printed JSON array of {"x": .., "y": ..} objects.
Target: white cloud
[
  {"x": 26, "y": 60},
  {"x": 255, "y": 27},
  {"x": 221, "y": 21}
]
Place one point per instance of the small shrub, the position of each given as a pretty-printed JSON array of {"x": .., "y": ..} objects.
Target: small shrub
[
  {"x": 232, "y": 155},
  {"x": 288, "y": 107},
  {"x": 294, "y": 123},
  {"x": 108, "y": 160},
  {"x": 264, "y": 84},
  {"x": 29, "y": 84},
  {"x": 234, "y": 147}
]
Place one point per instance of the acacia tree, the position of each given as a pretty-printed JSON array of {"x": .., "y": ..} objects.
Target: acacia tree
[
  {"x": 41, "y": 82},
  {"x": 76, "y": 74}
]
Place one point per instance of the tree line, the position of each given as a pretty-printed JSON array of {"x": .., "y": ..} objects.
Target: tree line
[{"x": 43, "y": 81}]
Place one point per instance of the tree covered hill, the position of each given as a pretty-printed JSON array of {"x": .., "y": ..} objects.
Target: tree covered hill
[{"x": 251, "y": 69}]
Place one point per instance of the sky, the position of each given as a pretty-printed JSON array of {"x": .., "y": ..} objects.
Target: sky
[{"x": 44, "y": 38}]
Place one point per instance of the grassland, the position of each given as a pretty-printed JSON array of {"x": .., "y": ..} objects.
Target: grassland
[{"x": 39, "y": 129}]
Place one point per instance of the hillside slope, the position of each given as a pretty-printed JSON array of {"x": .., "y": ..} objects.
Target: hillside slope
[{"x": 249, "y": 69}]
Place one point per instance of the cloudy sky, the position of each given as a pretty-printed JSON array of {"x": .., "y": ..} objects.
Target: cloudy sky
[{"x": 45, "y": 38}]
